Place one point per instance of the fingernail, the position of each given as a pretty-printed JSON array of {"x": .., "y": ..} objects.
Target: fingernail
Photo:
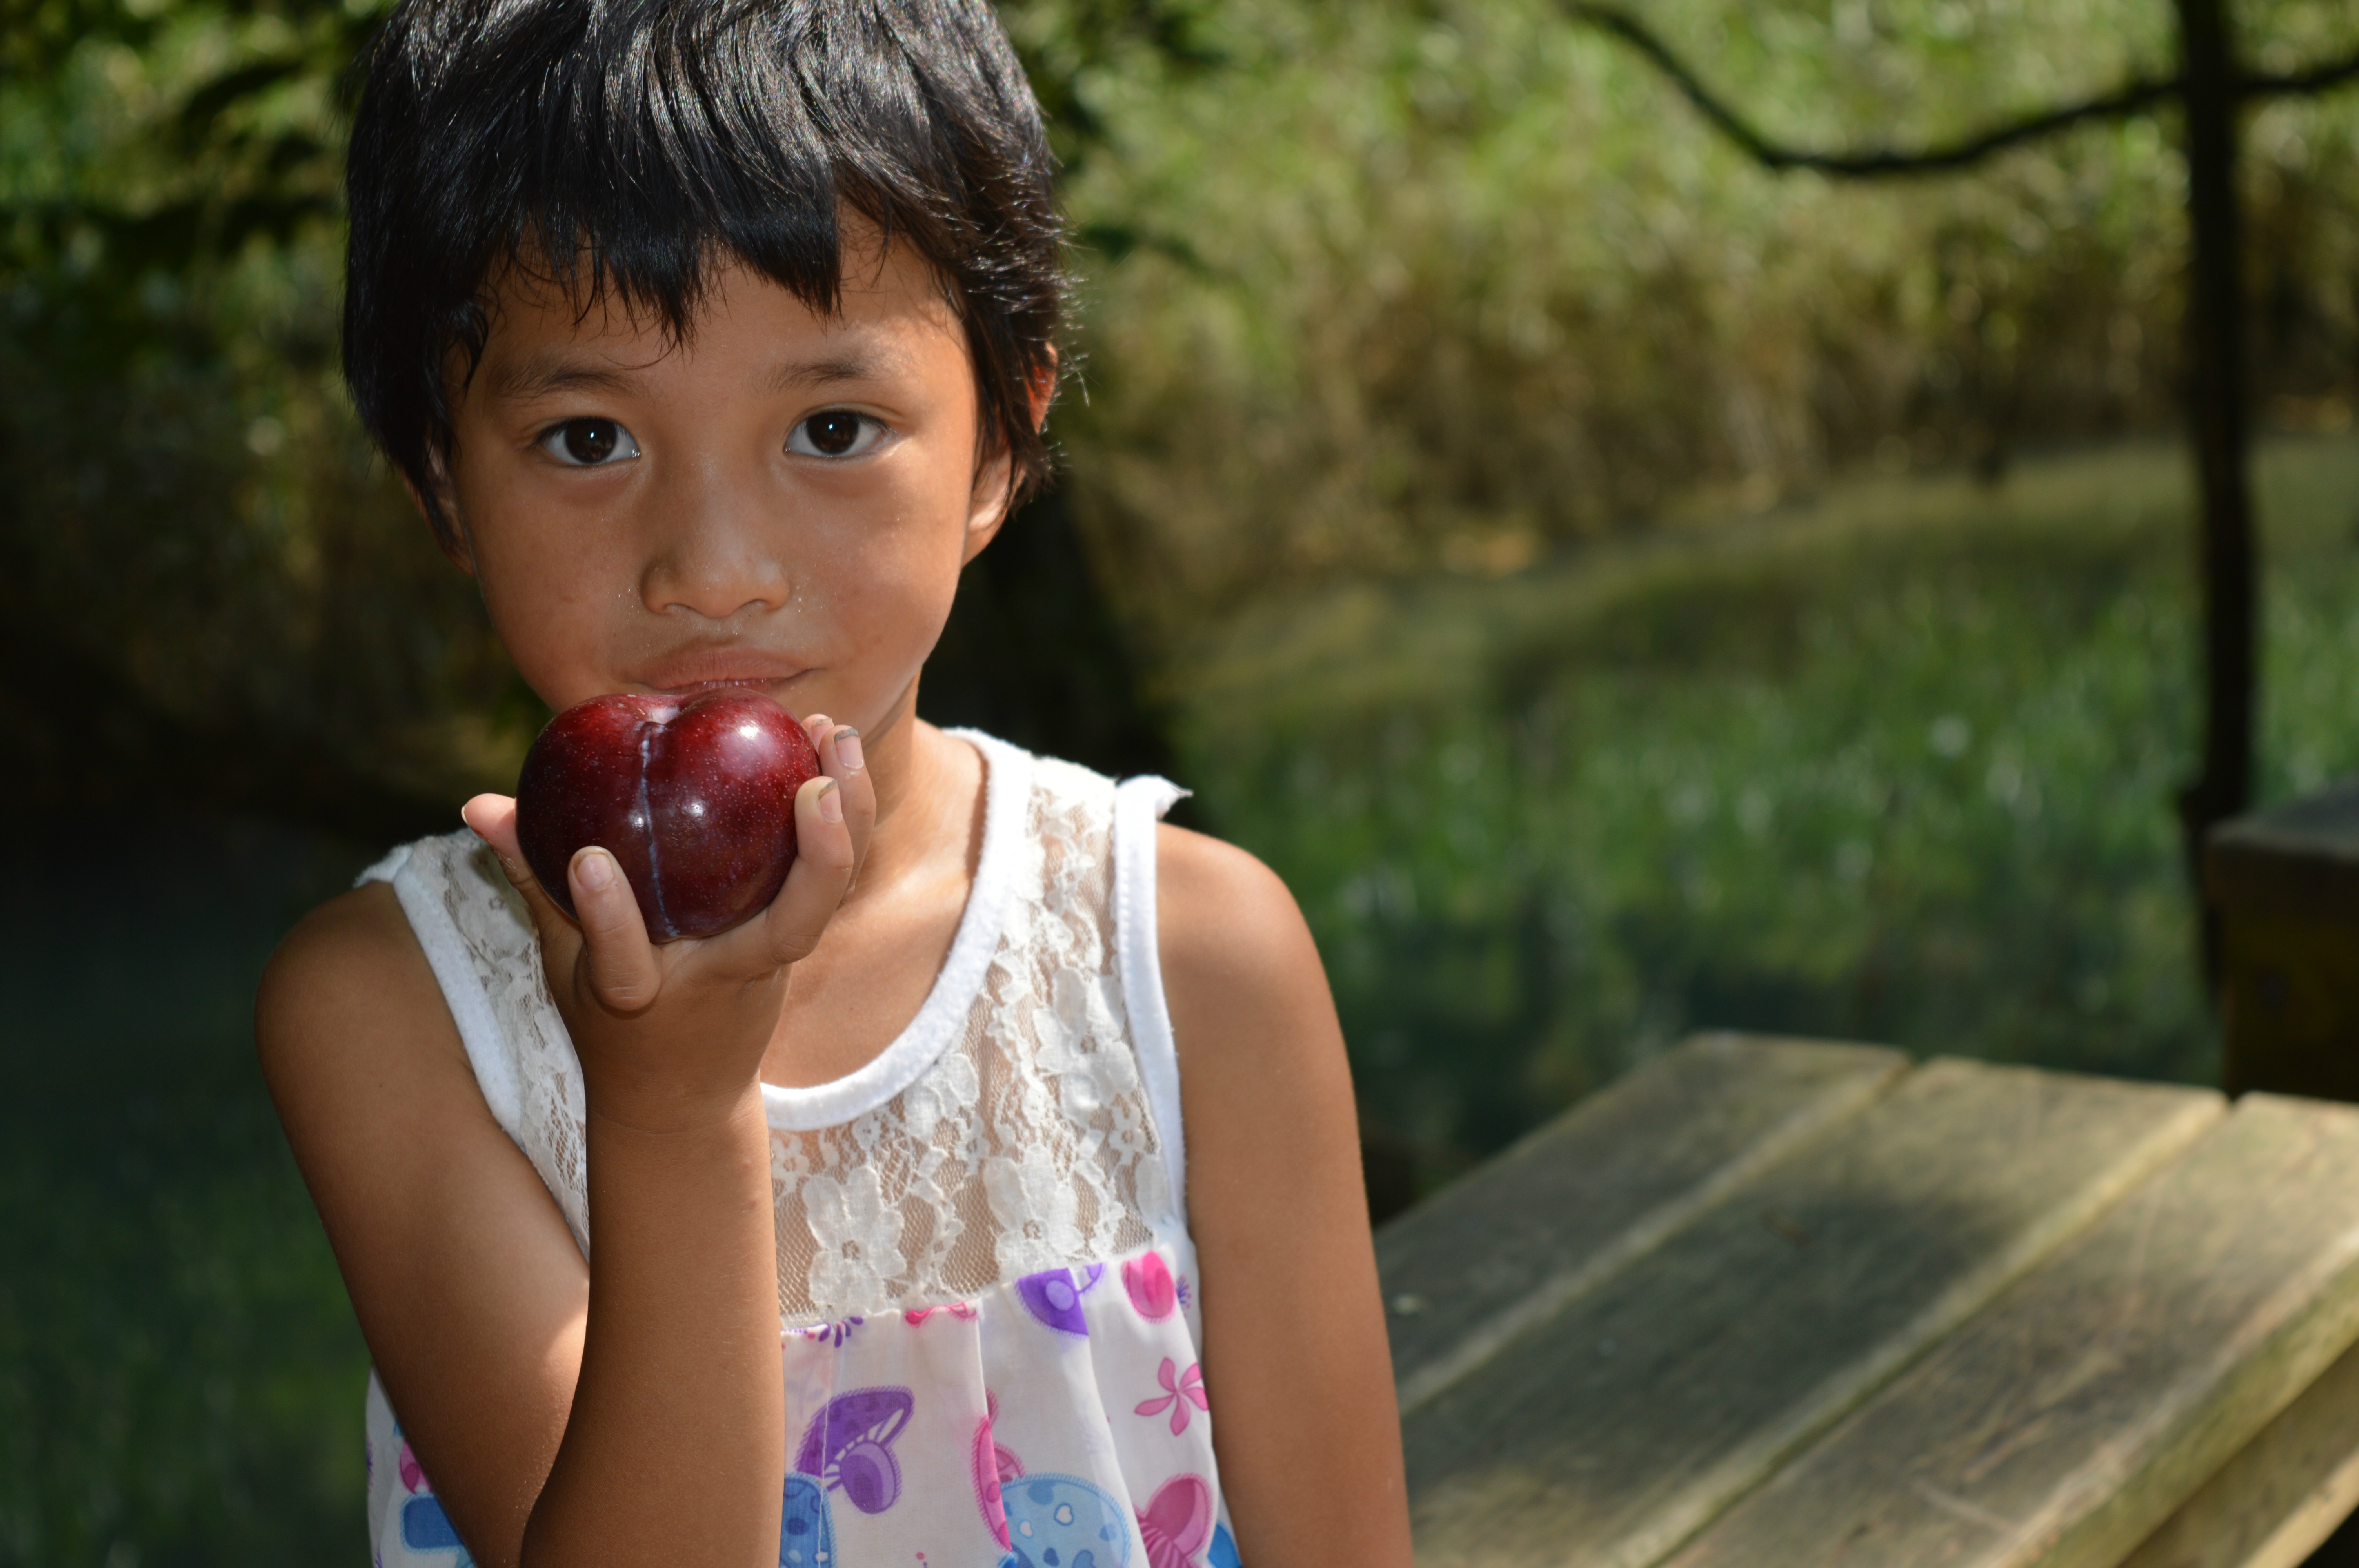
[
  {"x": 597, "y": 870},
  {"x": 830, "y": 802},
  {"x": 847, "y": 750}
]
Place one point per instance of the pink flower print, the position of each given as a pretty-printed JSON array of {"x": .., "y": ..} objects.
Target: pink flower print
[
  {"x": 413, "y": 1478},
  {"x": 1180, "y": 1391}
]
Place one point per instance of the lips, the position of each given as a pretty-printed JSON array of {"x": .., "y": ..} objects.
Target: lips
[{"x": 694, "y": 670}]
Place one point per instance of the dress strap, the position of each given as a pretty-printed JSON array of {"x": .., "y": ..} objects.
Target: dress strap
[
  {"x": 1138, "y": 805},
  {"x": 418, "y": 873}
]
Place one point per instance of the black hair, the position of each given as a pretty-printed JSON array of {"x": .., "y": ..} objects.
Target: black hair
[{"x": 632, "y": 146}]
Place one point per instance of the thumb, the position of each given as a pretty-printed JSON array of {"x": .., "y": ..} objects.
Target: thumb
[
  {"x": 603, "y": 947},
  {"x": 617, "y": 961},
  {"x": 493, "y": 818}
]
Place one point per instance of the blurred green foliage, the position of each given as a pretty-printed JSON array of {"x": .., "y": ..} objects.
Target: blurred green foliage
[
  {"x": 1891, "y": 766},
  {"x": 212, "y": 555},
  {"x": 1462, "y": 282}
]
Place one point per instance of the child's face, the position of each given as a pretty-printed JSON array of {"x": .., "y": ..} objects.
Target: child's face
[{"x": 784, "y": 500}]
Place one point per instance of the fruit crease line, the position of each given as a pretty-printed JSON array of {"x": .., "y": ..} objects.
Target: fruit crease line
[{"x": 648, "y": 835}]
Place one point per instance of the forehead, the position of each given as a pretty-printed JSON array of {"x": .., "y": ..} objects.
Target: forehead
[{"x": 891, "y": 318}]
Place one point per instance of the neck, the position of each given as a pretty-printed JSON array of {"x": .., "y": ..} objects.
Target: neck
[{"x": 919, "y": 813}]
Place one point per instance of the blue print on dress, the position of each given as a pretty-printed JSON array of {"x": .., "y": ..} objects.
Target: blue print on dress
[
  {"x": 807, "y": 1528},
  {"x": 1223, "y": 1553},
  {"x": 426, "y": 1528},
  {"x": 1060, "y": 1521}
]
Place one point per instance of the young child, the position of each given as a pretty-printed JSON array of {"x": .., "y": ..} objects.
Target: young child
[{"x": 994, "y": 1198}]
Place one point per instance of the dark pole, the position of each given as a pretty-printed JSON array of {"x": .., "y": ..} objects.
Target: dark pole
[{"x": 2216, "y": 401}]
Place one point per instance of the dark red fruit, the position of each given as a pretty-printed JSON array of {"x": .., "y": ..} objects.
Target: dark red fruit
[{"x": 695, "y": 799}]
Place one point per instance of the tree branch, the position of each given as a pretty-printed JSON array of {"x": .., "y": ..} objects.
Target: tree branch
[
  {"x": 2135, "y": 97},
  {"x": 2317, "y": 78}
]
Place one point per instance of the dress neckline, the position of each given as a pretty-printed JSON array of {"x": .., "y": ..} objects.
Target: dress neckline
[{"x": 1008, "y": 792}]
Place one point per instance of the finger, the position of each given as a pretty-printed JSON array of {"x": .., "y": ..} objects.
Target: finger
[
  {"x": 617, "y": 962},
  {"x": 841, "y": 759},
  {"x": 821, "y": 872}
]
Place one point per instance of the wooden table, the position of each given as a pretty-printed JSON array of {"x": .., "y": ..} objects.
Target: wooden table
[
  {"x": 1767, "y": 1302},
  {"x": 2284, "y": 886}
]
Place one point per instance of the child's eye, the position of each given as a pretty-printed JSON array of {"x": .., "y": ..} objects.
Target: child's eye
[
  {"x": 589, "y": 443},
  {"x": 836, "y": 434}
]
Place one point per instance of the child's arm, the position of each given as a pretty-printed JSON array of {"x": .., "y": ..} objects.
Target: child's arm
[
  {"x": 628, "y": 1410},
  {"x": 1295, "y": 1363}
]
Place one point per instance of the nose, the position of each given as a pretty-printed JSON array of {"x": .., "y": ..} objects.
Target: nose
[{"x": 718, "y": 550}]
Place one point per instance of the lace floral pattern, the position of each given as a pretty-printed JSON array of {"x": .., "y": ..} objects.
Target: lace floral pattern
[{"x": 1027, "y": 1143}]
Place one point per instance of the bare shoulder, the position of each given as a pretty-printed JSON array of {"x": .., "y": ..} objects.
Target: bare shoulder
[
  {"x": 349, "y": 979},
  {"x": 1227, "y": 927},
  {"x": 1250, "y": 1010},
  {"x": 360, "y": 1053}
]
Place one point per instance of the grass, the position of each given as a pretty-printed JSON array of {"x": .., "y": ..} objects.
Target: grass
[{"x": 1896, "y": 766}]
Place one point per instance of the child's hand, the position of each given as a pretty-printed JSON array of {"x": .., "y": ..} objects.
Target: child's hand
[{"x": 671, "y": 1036}]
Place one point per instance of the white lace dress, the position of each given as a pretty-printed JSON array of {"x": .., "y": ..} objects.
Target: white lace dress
[{"x": 985, "y": 1284}]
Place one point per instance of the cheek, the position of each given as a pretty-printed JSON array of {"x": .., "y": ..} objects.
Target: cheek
[
  {"x": 887, "y": 572},
  {"x": 559, "y": 600}
]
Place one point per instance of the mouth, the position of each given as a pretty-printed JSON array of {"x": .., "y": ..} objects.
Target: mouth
[{"x": 696, "y": 671}]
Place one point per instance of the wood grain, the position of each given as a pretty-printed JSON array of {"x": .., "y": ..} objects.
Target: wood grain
[
  {"x": 2064, "y": 1424},
  {"x": 2281, "y": 1495},
  {"x": 1476, "y": 1264},
  {"x": 1612, "y": 1432}
]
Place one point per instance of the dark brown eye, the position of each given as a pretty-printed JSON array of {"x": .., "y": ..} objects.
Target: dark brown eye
[
  {"x": 590, "y": 443},
  {"x": 835, "y": 434}
]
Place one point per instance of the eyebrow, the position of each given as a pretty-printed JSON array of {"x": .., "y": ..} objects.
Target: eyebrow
[
  {"x": 861, "y": 364},
  {"x": 543, "y": 376},
  {"x": 549, "y": 375}
]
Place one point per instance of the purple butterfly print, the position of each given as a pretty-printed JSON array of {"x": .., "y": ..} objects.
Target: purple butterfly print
[
  {"x": 1055, "y": 1296},
  {"x": 849, "y": 1447}
]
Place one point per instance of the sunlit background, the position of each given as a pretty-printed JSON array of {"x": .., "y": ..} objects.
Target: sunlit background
[{"x": 1622, "y": 588}]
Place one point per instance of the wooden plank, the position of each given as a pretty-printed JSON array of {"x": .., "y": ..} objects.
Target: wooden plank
[
  {"x": 1610, "y": 1433},
  {"x": 2298, "y": 860},
  {"x": 2274, "y": 1503},
  {"x": 1476, "y": 1264},
  {"x": 2064, "y": 1424}
]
